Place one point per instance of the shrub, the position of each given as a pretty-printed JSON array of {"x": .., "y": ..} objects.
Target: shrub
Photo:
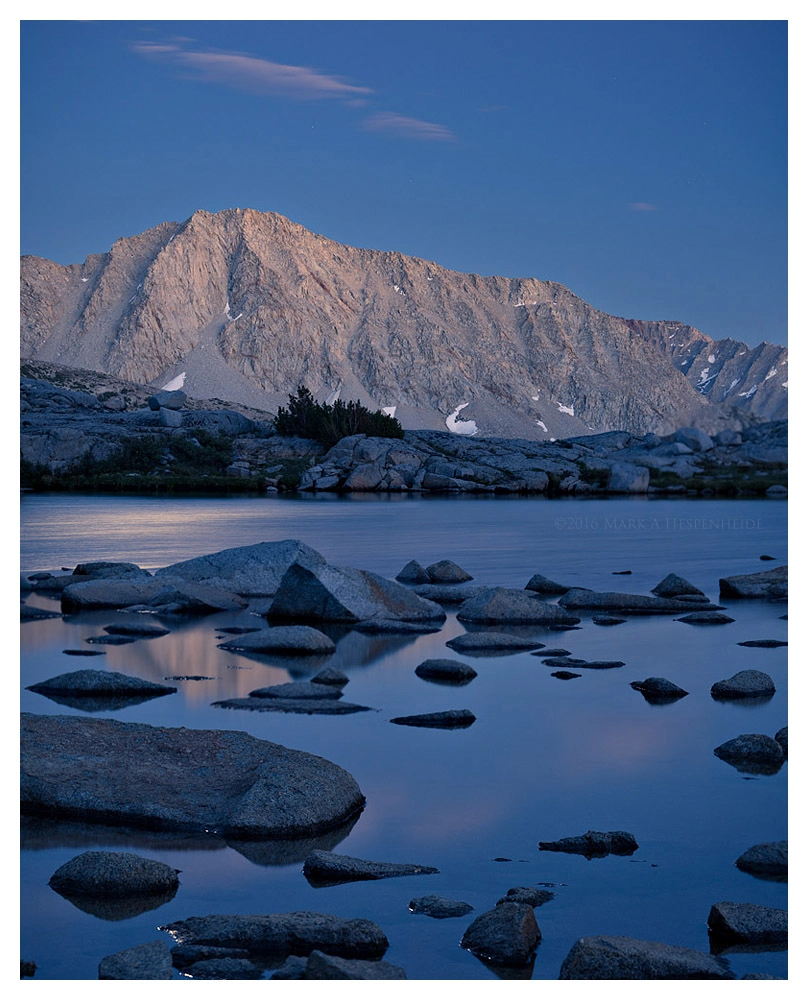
[{"x": 328, "y": 424}]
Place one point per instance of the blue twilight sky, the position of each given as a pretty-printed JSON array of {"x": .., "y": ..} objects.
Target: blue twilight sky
[{"x": 641, "y": 163}]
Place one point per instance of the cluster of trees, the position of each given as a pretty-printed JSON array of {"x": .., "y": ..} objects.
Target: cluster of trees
[{"x": 329, "y": 423}]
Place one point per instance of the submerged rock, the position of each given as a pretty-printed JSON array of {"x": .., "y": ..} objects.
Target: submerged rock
[
  {"x": 768, "y": 584},
  {"x": 763, "y": 643},
  {"x": 322, "y": 966},
  {"x": 526, "y": 894},
  {"x": 132, "y": 773},
  {"x": 744, "y": 684},
  {"x": 706, "y": 618},
  {"x": 143, "y": 630},
  {"x": 448, "y": 593},
  {"x": 507, "y": 606},
  {"x": 635, "y": 604},
  {"x": 330, "y": 675},
  {"x": 323, "y": 868},
  {"x": 173, "y": 595},
  {"x": 106, "y": 873},
  {"x": 327, "y": 705},
  {"x": 659, "y": 690},
  {"x": 224, "y": 968},
  {"x": 604, "y": 957},
  {"x": 594, "y": 844},
  {"x": 492, "y": 642},
  {"x": 607, "y": 620},
  {"x": 565, "y": 675},
  {"x": 675, "y": 586},
  {"x": 542, "y": 585},
  {"x": 766, "y": 860},
  {"x": 284, "y": 639},
  {"x": 298, "y": 689},
  {"x": 507, "y": 935},
  {"x": 447, "y": 571},
  {"x": 752, "y": 753},
  {"x": 145, "y": 961},
  {"x": 446, "y": 671},
  {"x": 439, "y": 907},
  {"x": 460, "y": 718},
  {"x": 97, "y": 683},
  {"x": 732, "y": 924}
]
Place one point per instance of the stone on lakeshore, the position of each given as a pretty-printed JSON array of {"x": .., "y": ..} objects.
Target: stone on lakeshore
[
  {"x": 770, "y": 583},
  {"x": 542, "y": 585},
  {"x": 605, "y": 957},
  {"x": 103, "y": 570},
  {"x": 106, "y": 873},
  {"x": 144, "y": 630},
  {"x": 439, "y": 907},
  {"x": 300, "y": 640},
  {"x": 327, "y": 705},
  {"x": 781, "y": 736},
  {"x": 169, "y": 399},
  {"x": 249, "y": 570},
  {"x": 527, "y": 894},
  {"x": 413, "y": 572},
  {"x": 165, "y": 593},
  {"x": 454, "y": 719},
  {"x": 448, "y": 593},
  {"x": 706, "y": 618},
  {"x": 763, "y": 643},
  {"x": 144, "y": 961},
  {"x": 507, "y": 935},
  {"x": 322, "y": 966},
  {"x": 323, "y": 868},
  {"x": 607, "y": 620},
  {"x": 594, "y": 844},
  {"x": 733, "y": 924},
  {"x": 280, "y": 934},
  {"x": 447, "y": 571},
  {"x": 130, "y": 773},
  {"x": 508, "y": 606},
  {"x": 744, "y": 684},
  {"x": 97, "y": 683},
  {"x": 659, "y": 690},
  {"x": 602, "y": 664},
  {"x": 694, "y": 438},
  {"x": 752, "y": 753},
  {"x": 768, "y": 860},
  {"x": 330, "y": 675},
  {"x": 447, "y": 671},
  {"x": 342, "y": 594},
  {"x": 224, "y": 968},
  {"x": 627, "y": 478},
  {"x": 675, "y": 586},
  {"x": 492, "y": 642},
  {"x": 635, "y": 604}
]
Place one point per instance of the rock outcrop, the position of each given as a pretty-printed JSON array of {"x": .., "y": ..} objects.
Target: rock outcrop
[{"x": 628, "y": 958}]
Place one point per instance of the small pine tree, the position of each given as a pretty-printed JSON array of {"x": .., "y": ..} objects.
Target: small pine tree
[{"x": 329, "y": 423}]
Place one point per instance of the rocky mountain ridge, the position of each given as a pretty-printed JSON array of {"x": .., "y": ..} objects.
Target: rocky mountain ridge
[{"x": 245, "y": 306}]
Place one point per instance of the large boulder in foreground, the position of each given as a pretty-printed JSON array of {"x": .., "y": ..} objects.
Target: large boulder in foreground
[
  {"x": 341, "y": 594},
  {"x": 249, "y": 570},
  {"x": 509, "y": 606},
  {"x": 771, "y": 583},
  {"x": 746, "y": 924},
  {"x": 507, "y": 935},
  {"x": 769, "y": 861},
  {"x": 181, "y": 779},
  {"x": 297, "y": 933},
  {"x": 144, "y": 961},
  {"x": 110, "y": 873},
  {"x": 628, "y": 958},
  {"x": 168, "y": 594}
]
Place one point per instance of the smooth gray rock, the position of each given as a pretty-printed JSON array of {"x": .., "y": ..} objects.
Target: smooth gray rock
[
  {"x": 169, "y": 399},
  {"x": 224, "y": 968},
  {"x": 625, "y": 477},
  {"x": 447, "y": 671},
  {"x": 145, "y": 961},
  {"x": 564, "y": 661},
  {"x": 732, "y": 924},
  {"x": 439, "y": 907},
  {"x": 460, "y": 718},
  {"x": 542, "y": 585},
  {"x": 507, "y": 935},
  {"x": 143, "y": 630},
  {"x": 106, "y": 873},
  {"x": 781, "y": 736},
  {"x": 188, "y": 954},
  {"x": 492, "y": 642},
  {"x": 744, "y": 684},
  {"x": 659, "y": 690},
  {"x": 694, "y": 438},
  {"x": 105, "y": 570},
  {"x": 768, "y": 860},
  {"x": 527, "y": 894},
  {"x": 675, "y": 586},
  {"x": 342, "y": 594},
  {"x": 579, "y": 599},
  {"x": 447, "y": 571},
  {"x": 327, "y": 705},
  {"x": 706, "y": 618},
  {"x": 249, "y": 570},
  {"x": 607, "y": 620},
  {"x": 164, "y": 593},
  {"x": 448, "y": 593},
  {"x": 170, "y": 417},
  {"x": 298, "y": 689},
  {"x": 604, "y": 957},
  {"x": 413, "y": 572},
  {"x": 509, "y": 606},
  {"x": 770, "y": 583},
  {"x": 326, "y": 868},
  {"x": 594, "y": 844},
  {"x": 330, "y": 675},
  {"x": 764, "y": 643},
  {"x": 322, "y": 966},
  {"x": 752, "y": 753},
  {"x": 299, "y": 933},
  {"x": 99, "y": 682},
  {"x": 300, "y": 640},
  {"x": 128, "y": 773}
]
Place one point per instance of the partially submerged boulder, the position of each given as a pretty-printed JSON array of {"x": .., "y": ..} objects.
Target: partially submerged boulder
[
  {"x": 752, "y": 753},
  {"x": 507, "y": 935},
  {"x": 744, "y": 684},
  {"x": 768, "y": 860},
  {"x": 675, "y": 586},
  {"x": 527, "y": 894},
  {"x": 659, "y": 690},
  {"x": 446, "y": 671},
  {"x": 542, "y": 585},
  {"x": 508, "y": 606},
  {"x": 144, "y": 961},
  {"x": 460, "y": 718},
  {"x": 323, "y": 868},
  {"x": 168, "y": 594},
  {"x": 605, "y": 957},
  {"x": 733, "y": 924},
  {"x": 186, "y": 779},
  {"x": 108, "y": 873},
  {"x": 322, "y": 966},
  {"x": 706, "y": 618},
  {"x": 594, "y": 844},
  {"x": 291, "y": 640},
  {"x": 447, "y": 571},
  {"x": 439, "y": 907},
  {"x": 491, "y": 643},
  {"x": 635, "y": 604},
  {"x": 772, "y": 583},
  {"x": 413, "y": 572},
  {"x": 97, "y": 683}
]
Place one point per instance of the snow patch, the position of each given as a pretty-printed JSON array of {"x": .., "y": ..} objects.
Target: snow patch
[
  {"x": 535, "y": 398},
  {"x": 457, "y": 426},
  {"x": 711, "y": 359},
  {"x": 175, "y": 383},
  {"x": 749, "y": 392},
  {"x": 542, "y": 424},
  {"x": 237, "y": 317},
  {"x": 784, "y": 384},
  {"x": 334, "y": 396},
  {"x": 85, "y": 279},
  {"x": 772, "y": 373},
  {"x": 400, "y": 291},
  {"x": 566, "y": 409},
  {"x": 389, "y": 410}
]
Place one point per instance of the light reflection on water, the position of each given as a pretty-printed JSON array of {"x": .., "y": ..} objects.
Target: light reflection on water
[{"x": 545, "y": 758}]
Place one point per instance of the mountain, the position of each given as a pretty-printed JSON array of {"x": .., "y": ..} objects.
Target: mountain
[{"x": 248, "y": 305}]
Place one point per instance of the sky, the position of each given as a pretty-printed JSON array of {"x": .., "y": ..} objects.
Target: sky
[{"x": 643, "y": 164}]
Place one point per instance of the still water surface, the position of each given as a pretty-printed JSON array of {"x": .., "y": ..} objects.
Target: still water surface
[{"x": 545, "y": 759}]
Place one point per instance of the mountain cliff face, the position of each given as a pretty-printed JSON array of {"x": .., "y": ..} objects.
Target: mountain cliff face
[{"x": 249, "y": 305}]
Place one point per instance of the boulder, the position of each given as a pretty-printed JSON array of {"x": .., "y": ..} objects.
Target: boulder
[
  {"x": 446, "y": 671},
  {"x": 326, "y": 868},
  {"x": 322, "y": 966},
  {"x": 173, "y": 595},
  {"x": 492, "y": 642},
  {"x": 167, "y": 399},
  {"x": 387, "y": 626},
  {"x": 224, "y": 421},
  {"x": 301, "y": 640},
  {"x": 607, "y": 620},
  {"x": 104, "y": 873},
  {"x": 594, "y": 844},
  {"x": 460, "y": 718},
  {"x": 341, "y": 594},
  {"x": 249, "y": 570},
  {"x": 635, "y": 604},
  {"x": 565, "y": 675},
  {"x": 628, "y": 958},
  {"x": 97, "y": 683},
  {"x": 330, "y": 675},
  {"x": 327, "y": 705},
  {"x": 224, "y": 968},
  {"x": 279, "y": 934},
  {"x": 768, "y": 584},
  {"x": 526, "y": 894},
  {"x": 706, "y": 618},
  {"x": 298, "y": 689},
  {"x": 439, "y": 907},
  {"x": 507, "y": 935},
  {"x": 768, "y": 860},
  {"x": 694, "y": 438},
  {"x": 141, "y": 630},
  {"x": 627, "y": 478},
  {"x": 542, "y": 585},
  {"x": 447, "y": 571},
  {"x": 186, "y": 955},
  {"x": 564, "y": 661},
  {"x": 659, "y": 690},
  {"x": 763, "y": 643},
  {"x": 675, "y": 586},
  {"x": 144, "y": 961},
  {"x": 508, "y": 606},
  {"x": 781, "y": 736},
  {"x": 448, "y": 593},
  {"x": 413, "y": 572},
  {"x": 731, "y": 924},
  {"x": 752, "y": 753},
  {"x": 129, "y": 773},
  {"x": 103, "y": 570},
  {"x": 744, "y": 684},
  {"x": 169, "y": 417}
]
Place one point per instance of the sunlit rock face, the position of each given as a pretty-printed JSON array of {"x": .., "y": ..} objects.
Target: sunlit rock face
[{"x": 245, "y": 306}]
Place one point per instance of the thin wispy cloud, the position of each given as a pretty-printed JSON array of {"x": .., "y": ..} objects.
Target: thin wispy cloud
[
  {"x": 642, "y": 206},
  {"x": 401, "y": 127},
  {"x": 250, "y": 74}
]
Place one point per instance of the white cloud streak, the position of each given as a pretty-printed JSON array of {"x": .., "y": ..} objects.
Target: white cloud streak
[{"x": 401, "y": 127}]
